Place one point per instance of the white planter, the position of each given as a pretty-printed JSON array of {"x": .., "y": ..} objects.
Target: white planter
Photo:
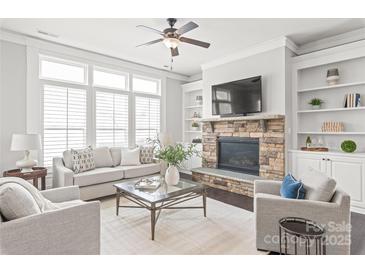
[
  {"x": 172, "y": 175},
  {"x": 316, "y": 107}
]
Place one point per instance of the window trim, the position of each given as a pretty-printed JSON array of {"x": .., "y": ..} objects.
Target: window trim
[{"x": 48, "y": 58}]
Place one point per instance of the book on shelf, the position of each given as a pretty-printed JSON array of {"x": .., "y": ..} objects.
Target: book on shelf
[{"x": 352, "y": 100}]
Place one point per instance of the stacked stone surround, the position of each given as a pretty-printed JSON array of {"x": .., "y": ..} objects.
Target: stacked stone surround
[
  {"x": 271, "y": 146},
  {"x": 228, "y": 184}
]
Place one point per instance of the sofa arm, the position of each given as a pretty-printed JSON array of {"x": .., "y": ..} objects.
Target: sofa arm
[
  {"x": 62, "y": 176},
  {"x": 267, "y": 186},
  {"x": 72, "y": 230},
  {"x": 62, "y": 194}
]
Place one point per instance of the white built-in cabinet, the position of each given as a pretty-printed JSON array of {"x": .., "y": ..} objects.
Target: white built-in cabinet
[
  {"x": 347, "y": 170},
  {"x": 191, "y": 106}
]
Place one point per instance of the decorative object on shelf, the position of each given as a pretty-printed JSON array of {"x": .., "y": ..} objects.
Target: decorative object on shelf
[
  {"x": 319, "y": 149},
  {"x": 199, "y": 99},
  {"x": 316, "y": 103},
  {"x": 352, "y": 100},
  {"x": 195, "y": 126},
  {"x": 348, "y": 146},
  {"x": 174, "y": 156},
  {"x": 197, "y": 141},
  {"x": 196, "y": 115},
  {"x": 333, "y": 127},
  {"x": 26, "y": 142},
  {"x": 333, "y": 76},
  {"x": 308, "y": 142}
]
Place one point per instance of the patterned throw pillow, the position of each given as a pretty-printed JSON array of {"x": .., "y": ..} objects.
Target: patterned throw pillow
[
  {"x": 146, "y": 154},
  {"x": 82, "y": 159}
]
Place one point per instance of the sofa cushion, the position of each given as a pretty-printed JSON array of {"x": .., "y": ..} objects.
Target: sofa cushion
[
  {"x": 291, "y": 188},
  {"x": 130, "y": 157},
  {"x": 116, "y": 153},
  {"x": 146, "y": 155},
  {"x": 98, "y": 176},
  {"x": 82, "y": 159},
  {"x": 102, "y": 157},
  {"x": 318, "y": 186},
  {"x": 67, "y": 159},
  {"x": 17, "y": 202},
  {"x": 139, "y": 171}
]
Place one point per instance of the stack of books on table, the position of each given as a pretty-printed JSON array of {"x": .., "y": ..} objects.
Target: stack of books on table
[
  {"x": 352, "y": 100},
  {"x": 148, "y": 183}
]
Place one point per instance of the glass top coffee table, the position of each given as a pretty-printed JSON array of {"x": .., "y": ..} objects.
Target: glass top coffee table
[{"x": 164, "y": 197}]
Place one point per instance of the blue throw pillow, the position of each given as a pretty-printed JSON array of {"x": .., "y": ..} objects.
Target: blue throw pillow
[{"x": 291, "y": 188}]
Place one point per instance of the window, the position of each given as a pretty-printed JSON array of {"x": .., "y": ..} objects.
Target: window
[
  {"x": 64, "y": 121},
  {"x": 147, "y": 118},
  {"x": 110, "y": 79},
  {"x": 111, "y": 119},
  {"x": 62, "y": 70},
  {"x": 146, "y": 85}
]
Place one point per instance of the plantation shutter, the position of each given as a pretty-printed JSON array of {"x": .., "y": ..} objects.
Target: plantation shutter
[
  {"x": 147, "y": 118},
  {"x": 64, "y": 121},
  {"x": 111, "y": 119}
]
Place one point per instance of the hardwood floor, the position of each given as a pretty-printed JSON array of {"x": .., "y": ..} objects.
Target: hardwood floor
[{"x": 244, "y": 202}]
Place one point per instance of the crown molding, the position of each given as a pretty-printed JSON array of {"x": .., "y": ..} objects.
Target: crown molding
[
  {"x": 30, "y": 41},
  {"x": 333, "y": 41},
  {"x": 253, "y": 50}
]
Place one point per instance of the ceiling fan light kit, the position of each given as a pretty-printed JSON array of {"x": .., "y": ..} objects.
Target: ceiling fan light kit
[{"x": 172, "y": 37}]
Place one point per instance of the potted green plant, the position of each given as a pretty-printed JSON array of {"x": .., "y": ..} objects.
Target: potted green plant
[
  {"x": 308, "y": 142},
  {"x": 174, "y": 155},
  {"x": 195, "y": 126},
  {"x": 316, "y": 103}
]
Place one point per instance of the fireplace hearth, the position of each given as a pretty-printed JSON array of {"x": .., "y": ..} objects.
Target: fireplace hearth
[{"x": 239, "y": 154}]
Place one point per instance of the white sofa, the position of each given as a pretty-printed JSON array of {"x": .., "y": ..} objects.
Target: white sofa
[{"x": 99, "y": 182}]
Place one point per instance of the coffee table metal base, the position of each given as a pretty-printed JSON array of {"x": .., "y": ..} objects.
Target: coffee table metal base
[{"x": 169, "y": 203}]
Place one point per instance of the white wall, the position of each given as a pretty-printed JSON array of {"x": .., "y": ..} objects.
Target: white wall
[
  {"x": 13, "y": 100},
  {"x": 174, "y": 109},
  {"x": 270, "y": 64}
]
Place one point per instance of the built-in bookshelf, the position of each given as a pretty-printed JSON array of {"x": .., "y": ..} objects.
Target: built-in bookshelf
[
  {"x": 192, "y": 113},
  {"x": 309, "y": 81}
]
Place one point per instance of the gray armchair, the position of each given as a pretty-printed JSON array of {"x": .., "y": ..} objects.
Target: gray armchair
[
  {"x": 72, "y": 229},
  {"x": 270, "y": 207}
]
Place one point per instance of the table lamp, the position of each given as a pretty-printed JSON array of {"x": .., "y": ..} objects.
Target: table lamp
[{"x": 26, "y": 142}]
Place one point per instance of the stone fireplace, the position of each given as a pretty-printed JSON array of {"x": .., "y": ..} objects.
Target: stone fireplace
[{"x": 254, "y": 148}]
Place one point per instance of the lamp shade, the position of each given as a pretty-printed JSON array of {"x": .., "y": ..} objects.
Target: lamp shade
[{"x": 21, "y": 142}]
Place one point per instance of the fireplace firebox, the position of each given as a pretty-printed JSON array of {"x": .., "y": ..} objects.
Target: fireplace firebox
[{"x": 239, "y": 154}]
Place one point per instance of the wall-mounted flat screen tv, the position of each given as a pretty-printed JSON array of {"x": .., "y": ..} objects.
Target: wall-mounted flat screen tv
[{"x": 237, "y": 98}]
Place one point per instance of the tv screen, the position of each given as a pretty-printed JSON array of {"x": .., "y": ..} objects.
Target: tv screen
[{"x": 237, "y": 98}]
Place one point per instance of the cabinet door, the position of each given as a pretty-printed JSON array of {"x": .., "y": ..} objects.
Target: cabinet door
[
  {"x": 302, "y": 162},
  {"x": 349, "y": 175}
]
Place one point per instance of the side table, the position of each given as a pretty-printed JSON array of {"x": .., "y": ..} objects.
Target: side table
[
  {"x": 38, "y": 172},
  {"x": 300, "y": 228}
]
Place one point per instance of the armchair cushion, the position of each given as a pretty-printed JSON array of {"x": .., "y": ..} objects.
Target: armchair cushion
[
  {"x": 318, "y": 186},
  {"x": 16, "y": 202},
  {"x": 15, "y": 189},
  {"x": 291, "y": 188}
]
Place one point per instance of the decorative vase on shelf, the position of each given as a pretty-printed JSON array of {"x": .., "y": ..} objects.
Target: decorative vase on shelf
[
  {"x": 314, "y": 107},
  {"x": 199, "y": 99},
  {"x": 333, "y": 76},
  {"x": 172, "y": 175}
]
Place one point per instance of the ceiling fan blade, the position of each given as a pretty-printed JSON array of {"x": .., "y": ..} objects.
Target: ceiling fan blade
[
  {"x": 174, "y": 52},
  {"x": 151, "y": 29},
  {"x": 187, "y": 27},
  {"x": 150, "y": 43},
  {"x": 195, "y": 42}
]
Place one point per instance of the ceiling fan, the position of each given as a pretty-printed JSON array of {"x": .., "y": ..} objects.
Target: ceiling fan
[{"x": 172, "y": 37}]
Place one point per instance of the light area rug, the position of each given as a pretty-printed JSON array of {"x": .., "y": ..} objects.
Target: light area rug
[{"x": 226, "y": 230}]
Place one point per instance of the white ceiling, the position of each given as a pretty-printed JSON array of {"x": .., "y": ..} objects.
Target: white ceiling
[{"x": 118, "y": 37}]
